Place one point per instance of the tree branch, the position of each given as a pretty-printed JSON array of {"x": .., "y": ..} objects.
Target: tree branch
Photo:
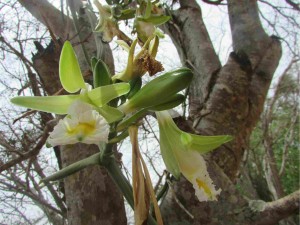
[
  {"x": 50, "y": 16},
  {"x": 248, "y": 35},
  {"x": 272, "y": 212},
  {"x": 216, "y": 2},
  {"x": 293, "y": 4},
  {"x": 28, "y": 154},
  {"x": 195, "y": 49}
]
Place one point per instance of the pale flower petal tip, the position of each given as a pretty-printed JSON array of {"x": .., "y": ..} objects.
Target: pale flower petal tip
[
  {"x": 205, "y": 190},
  {"x": 83, "y": 124},
  {"x": 181, "y": 154}
]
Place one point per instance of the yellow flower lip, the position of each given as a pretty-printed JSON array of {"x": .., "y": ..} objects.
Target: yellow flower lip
[
  {"x": 82, "y": 130},
  {"x": 82, "y": 124},
  {"x": 205, "y": 188}
]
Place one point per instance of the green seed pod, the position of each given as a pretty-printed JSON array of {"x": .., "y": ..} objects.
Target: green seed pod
[
  {"x": 172, "y": 102},
  {"x": 159, "y": 90},
  {"x": 101, "y": 74}
]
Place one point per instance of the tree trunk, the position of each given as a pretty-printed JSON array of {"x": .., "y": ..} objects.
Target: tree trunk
[
  {"x": 91, "y": 195},
  {"x": 224, "y": 100}
]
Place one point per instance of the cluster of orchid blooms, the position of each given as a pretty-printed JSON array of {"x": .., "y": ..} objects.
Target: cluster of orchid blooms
[{"x": 102, "y": 113}]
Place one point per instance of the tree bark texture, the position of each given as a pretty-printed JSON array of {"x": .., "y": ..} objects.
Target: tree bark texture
[
  {"x": 91, "y": 195},
  {"x": 223, "y": 100}
]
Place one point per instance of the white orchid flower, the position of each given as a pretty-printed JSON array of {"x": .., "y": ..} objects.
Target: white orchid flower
[
  {"x": 82, "y": 124},
  {"x": 181, "y": 154},
  {"x": 72, "y": 81}
]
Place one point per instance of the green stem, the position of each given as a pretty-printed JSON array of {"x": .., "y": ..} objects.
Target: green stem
[{"x": 120, "y": 180}]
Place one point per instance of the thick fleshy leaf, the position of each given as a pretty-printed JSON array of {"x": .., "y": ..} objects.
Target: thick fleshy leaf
[
  {"x": 148, "y": 9},
  {"x": 204, "y": 144},
  {"x": 52, "y": 104},
  {"x": 73, "y": 168},
  {"x": 127, "y": 14},
  {"x": 155, "y": 20},
  {"x": 110, "y": 114},
  {"x": 102, "y": 95},
  {"x": 69, "y": 70},
  {"x": 94, "y": 60},
  {"x": 101, "y": 74},
  {"x": 129, "y": 120},
  {"x": 135, "y": 85}
]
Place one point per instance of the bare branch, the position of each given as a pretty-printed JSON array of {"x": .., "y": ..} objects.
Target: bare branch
[
  {"x": 35, "y": 151},
  {"x": 59, "y": 23},
  {"x": 272, "y": 212},
  {"x": 217, "y": 2},
  {"x": 293, "y": 4}
]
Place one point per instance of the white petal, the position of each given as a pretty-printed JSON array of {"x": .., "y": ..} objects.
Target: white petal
[
  {"x": 193, "y": 167},
  {"x": 79, "y": 107},
  {"x": 82, "y": 125}
]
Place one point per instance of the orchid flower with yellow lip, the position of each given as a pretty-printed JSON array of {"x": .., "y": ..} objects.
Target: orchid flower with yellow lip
[
  {"x": 82, "y": 124},
  {"x": 72, "y": 81},
  {"x": 143, "y": 62},
  {"x": 181, "y": 152},
  {"x": 107, "y": 24}
]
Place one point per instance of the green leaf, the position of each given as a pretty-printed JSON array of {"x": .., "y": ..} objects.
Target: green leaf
[
  {"x": 148, "y": 9},
  {"x": 101, "y": 74},
  {"x": 127, "y": 121},
  {"x": 110, "y": 114},
  {"x": 127, "y": 14},
  {"x": 119, "y": 138},
  {"x": 102, "y": 95},
  {"x": 155, "y": 20},
  {"x": 73, "y": 168},
  {"x": 204, "y": 144},
  {"x": 69, "y": 70},
  {"x": 94, "y": 60},
  {"x": 52, "y": 104},
  {"x": 135, "y": 86}
]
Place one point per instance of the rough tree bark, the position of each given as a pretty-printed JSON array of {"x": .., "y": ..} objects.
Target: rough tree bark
[
  {"x": 91, "y": 196},
  {"x": 224, "y": 100}
]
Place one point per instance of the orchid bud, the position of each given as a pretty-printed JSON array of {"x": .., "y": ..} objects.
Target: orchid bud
[{"x": 159, "y": 90}]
